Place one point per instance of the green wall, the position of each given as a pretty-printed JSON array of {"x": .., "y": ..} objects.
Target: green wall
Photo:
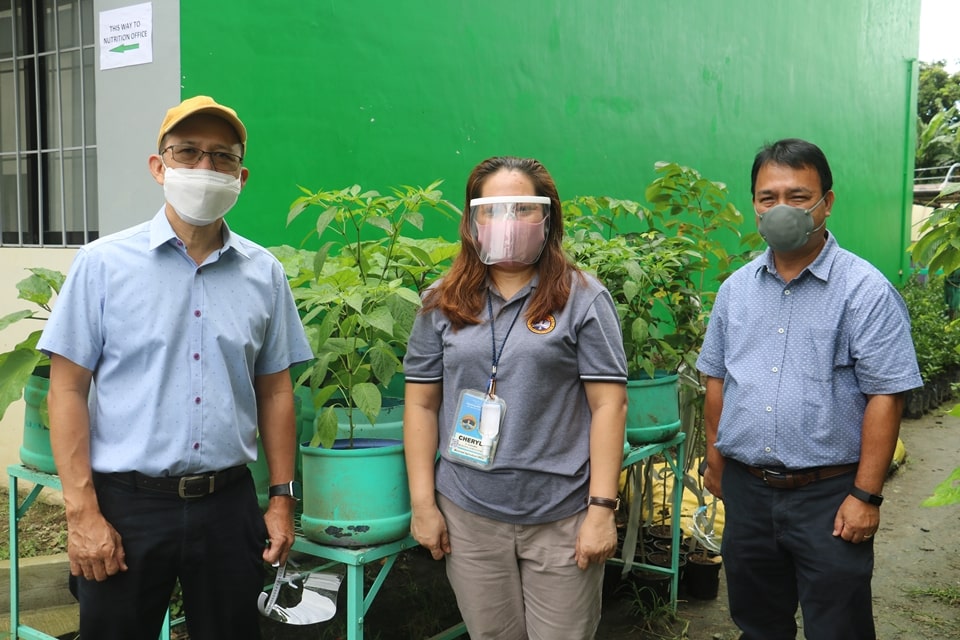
[{"x": 384, "y": 93}]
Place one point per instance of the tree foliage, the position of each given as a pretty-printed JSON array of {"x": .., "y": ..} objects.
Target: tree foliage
[
  {"x": 938, "y": 117},
  {"x": 938, "y": 91}
]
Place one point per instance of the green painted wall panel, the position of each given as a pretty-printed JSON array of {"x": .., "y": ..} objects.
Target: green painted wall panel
[{"x": 383, "y": 93}]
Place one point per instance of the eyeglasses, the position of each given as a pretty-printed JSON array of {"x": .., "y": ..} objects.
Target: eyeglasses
[
  {"x": 524, "y": 212},
  {"x": 191, "y": 156}
]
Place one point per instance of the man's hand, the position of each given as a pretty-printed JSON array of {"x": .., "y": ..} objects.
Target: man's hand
[
  {"x": 280, "y": 536},
  {"x": 856, "y": 521},
  {"x": 94, "y": 547},
  {"x": 712, "y": 477}
]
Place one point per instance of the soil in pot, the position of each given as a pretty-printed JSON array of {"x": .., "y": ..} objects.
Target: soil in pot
[{"x": 660, "y": 532}]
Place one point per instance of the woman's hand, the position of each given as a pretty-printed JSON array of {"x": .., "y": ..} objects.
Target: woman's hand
[
  {"x": 429, "y": 527},
  {"x": 597, "y": 538}
]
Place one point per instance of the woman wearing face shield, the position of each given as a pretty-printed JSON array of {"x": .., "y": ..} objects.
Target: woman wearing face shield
[{"x": 516, "y": 375}]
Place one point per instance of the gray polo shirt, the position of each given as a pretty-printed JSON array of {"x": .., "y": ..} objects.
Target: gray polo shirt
[{"x": 541, "y": 471}]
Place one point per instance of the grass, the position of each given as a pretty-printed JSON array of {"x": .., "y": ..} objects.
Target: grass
[
  {"x": 43, "y": 529},
  {"x": 946, "y": 595}
]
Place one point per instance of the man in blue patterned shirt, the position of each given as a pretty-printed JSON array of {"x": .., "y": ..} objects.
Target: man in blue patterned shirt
[
  {"x": 185, "y": 332},
  {"x": 806, "y": 358}
]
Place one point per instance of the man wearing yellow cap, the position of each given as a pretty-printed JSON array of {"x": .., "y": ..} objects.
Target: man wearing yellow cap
[{"x": 187, "y": 331}]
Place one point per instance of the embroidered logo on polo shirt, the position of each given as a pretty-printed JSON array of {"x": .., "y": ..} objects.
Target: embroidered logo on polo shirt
[{"x": 541, "y": 327}]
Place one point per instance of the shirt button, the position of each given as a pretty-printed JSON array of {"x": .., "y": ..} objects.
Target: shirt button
[
  {"x": 197, "y": 313},
  {"x": 197, "y": 401},
  {"x": 768, "y": 408},
  {"x": 780, "y": 330},
  {"x": 196, "y": 356},
  {"x": 786, "y": 292},
  {"x": 199, "y": 271},
  {"x": 774, "y": 369},
  {"x": 196, "y": 445},
  {"x": 767, "y": 449}
]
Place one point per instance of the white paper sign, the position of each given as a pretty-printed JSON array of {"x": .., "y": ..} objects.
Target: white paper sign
[{"x": 126, "y": 36}]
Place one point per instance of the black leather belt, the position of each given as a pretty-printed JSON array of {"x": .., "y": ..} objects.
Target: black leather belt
[
  {"x": 186, "y": 487},
  {"x": 784, "y": 479}
]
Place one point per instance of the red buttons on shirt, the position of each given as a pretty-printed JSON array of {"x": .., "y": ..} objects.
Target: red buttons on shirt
[{"x": 197, "y": 313}]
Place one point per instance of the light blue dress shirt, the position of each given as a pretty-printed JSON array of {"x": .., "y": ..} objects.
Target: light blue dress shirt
[
  {"x": 798, "y": 359},
  {"x": 174, "y": 347}
]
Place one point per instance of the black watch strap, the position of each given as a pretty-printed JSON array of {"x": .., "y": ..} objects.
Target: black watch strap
[
  {"x": 291, "y": 489},
  {"x": 864, "y": 496}
]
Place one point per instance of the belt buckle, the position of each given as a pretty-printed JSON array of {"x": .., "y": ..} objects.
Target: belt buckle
[
  {"x": 185, "y": 481},
  {"x": 769, "y": 474}
]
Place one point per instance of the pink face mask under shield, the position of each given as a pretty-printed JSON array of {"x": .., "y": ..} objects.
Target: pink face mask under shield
[{"x": 510, "y": 229}]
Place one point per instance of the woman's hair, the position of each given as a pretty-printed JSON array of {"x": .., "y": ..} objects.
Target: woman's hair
[{"x": 461, "y": 294}]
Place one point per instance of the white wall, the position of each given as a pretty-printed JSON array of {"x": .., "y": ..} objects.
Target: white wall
[{"x": 131, "y": 103}]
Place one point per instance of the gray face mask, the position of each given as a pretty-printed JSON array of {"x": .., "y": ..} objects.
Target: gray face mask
[{"x": 787, "y": 228}]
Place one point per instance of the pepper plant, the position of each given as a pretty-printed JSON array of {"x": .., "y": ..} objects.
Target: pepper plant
[
  {"x": 658, "y": 260},
  {"x": 359, "y": 292}
]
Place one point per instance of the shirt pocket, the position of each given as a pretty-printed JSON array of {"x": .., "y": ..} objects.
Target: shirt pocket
[{"x": 828, "y": 351}]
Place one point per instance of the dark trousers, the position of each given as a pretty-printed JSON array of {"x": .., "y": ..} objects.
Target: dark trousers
[
  {"x": 778, "y": 550},
  {"x": 212, "y": 544}
]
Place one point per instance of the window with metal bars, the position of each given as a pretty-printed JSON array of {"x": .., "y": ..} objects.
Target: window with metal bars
[{"x": 48, "y": 151}]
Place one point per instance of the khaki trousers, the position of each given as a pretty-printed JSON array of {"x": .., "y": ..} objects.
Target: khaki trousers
[{"x": 515, "y": 582}]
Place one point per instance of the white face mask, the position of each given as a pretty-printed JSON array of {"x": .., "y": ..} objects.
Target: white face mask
[{"x": 200, "y": 196}]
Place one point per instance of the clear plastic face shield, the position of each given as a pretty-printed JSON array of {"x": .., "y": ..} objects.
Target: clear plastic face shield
[{"x": 510, "y": 229}]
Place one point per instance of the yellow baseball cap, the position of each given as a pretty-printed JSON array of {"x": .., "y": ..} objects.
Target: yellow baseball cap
[{"x": 201, "y": 104}]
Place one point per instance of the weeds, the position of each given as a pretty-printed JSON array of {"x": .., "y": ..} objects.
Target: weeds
[
  {"x": 947, "y": 595},
  {"x": 656, "y": 617},
  {"x": 42, "y": 530}
]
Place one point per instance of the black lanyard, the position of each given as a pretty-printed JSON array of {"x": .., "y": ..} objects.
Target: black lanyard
[{"x": 494, "y": 356}]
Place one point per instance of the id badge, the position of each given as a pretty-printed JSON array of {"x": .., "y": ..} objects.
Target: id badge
[{"x": 476, "y": 429}]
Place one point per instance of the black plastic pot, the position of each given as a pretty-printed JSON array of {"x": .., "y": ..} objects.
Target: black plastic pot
[{"x": 703, "y": 576}]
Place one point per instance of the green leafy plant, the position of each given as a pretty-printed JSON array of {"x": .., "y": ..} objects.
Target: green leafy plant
[
  {"x": 948, "y": 491},
  {"x": 935, "y": 335},
  {"x": 18, "y": 364},
  {"x": 359, "y": 292},
  {"x": 938, "y": 249},
  {"x": 658, "y": 260},
  {"x": 936, "y": 338}
]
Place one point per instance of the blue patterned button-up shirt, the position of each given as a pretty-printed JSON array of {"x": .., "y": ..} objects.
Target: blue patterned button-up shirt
[
  {"x": 799, "y": 359},
  {"x": 174, "y": 347}
]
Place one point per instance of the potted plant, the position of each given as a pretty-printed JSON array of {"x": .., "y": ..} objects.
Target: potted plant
[
  {"x": 25, "y": 371},
  {"x": 358, "y": 295},
  {"x": 655, "y": 260}
]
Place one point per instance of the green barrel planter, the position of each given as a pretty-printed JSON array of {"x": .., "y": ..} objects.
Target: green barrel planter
[
  {"x": 389, "y": 423},
  {"x": 355, "y": 497},
  {"x": 653, "y": 409},
  {"x": 35, "y": 451}
]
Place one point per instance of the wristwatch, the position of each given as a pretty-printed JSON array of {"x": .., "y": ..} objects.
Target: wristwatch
[
  {"x": 864, "y": 496},
  {"x": 290, "y": 489}
]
